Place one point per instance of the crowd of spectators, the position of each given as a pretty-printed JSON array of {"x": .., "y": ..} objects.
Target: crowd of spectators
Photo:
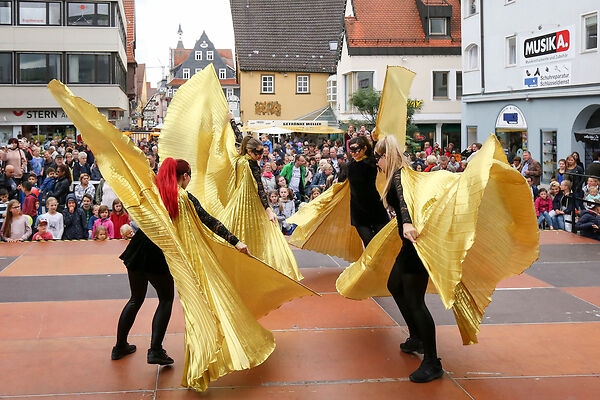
[{"x": 55, "y": 190}]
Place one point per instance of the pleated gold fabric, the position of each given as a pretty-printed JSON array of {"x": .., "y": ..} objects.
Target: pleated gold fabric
[
  {"x": 324, "y": 225},
  {"x": 221, "y": 290},
  {"x": 221, "y": 179}
]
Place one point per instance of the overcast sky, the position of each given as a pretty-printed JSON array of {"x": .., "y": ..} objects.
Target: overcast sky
[{"x": 157, "y": 23}]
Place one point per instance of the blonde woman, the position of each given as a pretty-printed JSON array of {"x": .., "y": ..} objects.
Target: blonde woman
[{"x": 408, "y": 279}]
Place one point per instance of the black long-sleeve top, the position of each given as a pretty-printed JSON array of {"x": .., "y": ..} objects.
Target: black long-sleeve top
[
  {"x": 256, "y": 173},
  {"x": 366, "y": 207},
  {"x": 236, "y": 130},
  {"x": 212, "y": 223},
  {"x": 395, "y": 198}
]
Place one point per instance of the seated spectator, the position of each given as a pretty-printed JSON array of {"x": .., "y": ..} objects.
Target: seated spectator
[
  {"x": 554, "y": 189},
  {"x": 418, "y": 167},
  {"x": 81, "y": 166},
  {"x": 74, "y": 221},
  {"x": 84, "y": 187},
  {"x": 101, "y": 233},
  {"x": 589, "y": 222},
  {"x": 54, "y": 218},
  {"x": 431, "y": 162},
  {"x": 118, "y": 217},
  {"x": 42, "y": 231},
  {"x": 563, "y": 206},
  {"x": 444, "y": 165},
  {"x": 126, "y": 231},
  {"x": 543, "y": 206},
  {"x": 591, "y": 182},
  {"x": 16, "y": 227},
  {"x": 104, "y": 220},
  {"x": 455, "y": 165},
  {"x": 463, "y": 165},
  {"x": 281, "y": 182},
  {"x": 268, "y": 178},
  {"x": 61, "y": 187},
  {"x": 592, "y": 197}
]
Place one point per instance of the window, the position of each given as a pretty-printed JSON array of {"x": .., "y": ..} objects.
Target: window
[
  {"x": 332, "y": 90},
  {"x": 364, "y": 80},
  {"x": 120, "y": 75},
  {"x": 196, "y": 70},
  {"x": 590, "y": 39},
  {"x": 472, "y": 53},
  {"x": 458, "y": 84},
  {"x": 267, "y": 84},
  {"x": 5, "y": 68},
  {"x": 437, "y": 26},
  {"x": 228, "y": 93},
  {"x": 222, "y": 73},
  {"x": 5, "y": 13},
  {"x": 210, "y": 55},
  {"x": 88, "y": 14},
  {"x": 440, "y": 85},
  {"x": 39, "y": 13},
  {"x": 348, "y": 91},
  {"x": 302, "y": 84},
  {"x": 186, "y": 73},
  {"x": 471, "y": 7},
  {"x": 39, "y": 68},
  {"x": 198, "y": 56},
  {"x": 89, "y": 68},
  {"x": 511, "y": 51}
]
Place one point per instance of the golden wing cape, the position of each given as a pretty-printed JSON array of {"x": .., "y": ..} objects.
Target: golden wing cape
[
  {"x": 223, "y": 181},
  {"x": 222, "y": 291}
]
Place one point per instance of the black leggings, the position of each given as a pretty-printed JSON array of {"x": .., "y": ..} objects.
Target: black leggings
[
  {"x": 138, "y": 282},
  {"x": 368, "y": 232},
  {"x": 408, "y": 283}
]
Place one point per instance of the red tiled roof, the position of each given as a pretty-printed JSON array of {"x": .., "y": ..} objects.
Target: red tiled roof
[
  {"x": 129, "y": 6},
  {"x": 179, "y": 82},
  {"x": 393, "y": 23},
  {"x": 227, "y": 56},
  {"x": 180, "y": 55}
]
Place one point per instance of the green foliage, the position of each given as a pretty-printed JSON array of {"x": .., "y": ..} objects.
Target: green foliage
[{"x": 367, "y": 103}]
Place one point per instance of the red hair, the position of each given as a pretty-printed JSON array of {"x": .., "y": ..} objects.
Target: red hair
[{"x": 168, "y": 174}]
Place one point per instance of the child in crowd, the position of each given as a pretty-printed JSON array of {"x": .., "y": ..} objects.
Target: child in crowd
[
  {"x": 53, "y": 218},
  {"x": 16, "y": 227},
  {"x": 126, "y": 231},
  {"x": 30, "y": 201},
  {"x": 563, "y": 206},
  {"x": 3, "y": 204},
  {"x": 93, "y": 219},
  {"x": 589, "y": 223},
  {"x": 48, "y": 184},
  {"x": 42, "y": 231},
  {"x": 101, "y": 233},
  {"x": 592, "y": 197},
  {"x": 37, "y": 166},
  {"x": 591, "y": 182},
  {"x": 286, "y": 208},
  {"x": 314, "y": 193},
  {"x": 274, "y": 200},
  {"x": 104, "y": 220},
  {"x": 74, "y": 220},
  {"x": 118, "y": 217},
  {"x": 543, "y": 206}
]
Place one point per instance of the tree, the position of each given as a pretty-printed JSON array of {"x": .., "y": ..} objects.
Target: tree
[{"x": 367, "y": 103}]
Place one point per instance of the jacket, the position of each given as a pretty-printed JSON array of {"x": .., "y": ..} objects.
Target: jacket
[
  {"x": 80, "y": 169},
  {"x": 61, "y": 190},
  {"x": 542, "y": 205},
  {"x": 534, "y": 170},
  {"x": 563, "y": 203},
  {"x": 118, "y": 221},
  {"x": 75, "y": 224},
  {"x": 48, "y": 185},
  {"x": 17, "y": 159},
  {"x": 287, "y": 172},
  {"x": 584, "y": 225},
  {"x": 107, "y": 223},
  {"x": 10, "y": 185}
]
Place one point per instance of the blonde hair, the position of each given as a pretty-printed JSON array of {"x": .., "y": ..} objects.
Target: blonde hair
[
  {"x": 100, "y": 229},
  {"x": 125, "y": 228},
  {"x": 394, "y": 161},
  {"x": 249, "y": 143}
]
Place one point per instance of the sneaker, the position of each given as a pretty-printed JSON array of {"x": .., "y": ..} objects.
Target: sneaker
[
  {"x": 159, "y": 357},
  {"x": 428, "y": 371},
  {"x": 119, "y": 352},
  {"x": 412, "y": 345}
]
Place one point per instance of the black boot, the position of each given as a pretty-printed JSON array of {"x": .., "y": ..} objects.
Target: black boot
[
  {"x": 428, "y": 371},
  {"x": 119, "y": 352},
  {"x": 159, "y": 357},
  {"x": 412, "y": 345}
]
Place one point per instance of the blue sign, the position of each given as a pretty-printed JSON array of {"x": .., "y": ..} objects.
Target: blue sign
[
  {"x": 531, "y": 82},
  {"x": 511, "y": 118}
]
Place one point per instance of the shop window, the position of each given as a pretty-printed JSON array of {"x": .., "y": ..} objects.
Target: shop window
[
  {"x": 210, "y": 55},
  {"x": 302, "y": 84},
  {"x": 5, "y": 13},
  {"x": 459, "y": 84},
  {"x": 348, "y": 91},
  {"x": 222, "y": 73},
  {"x": 511, "y": 51},
  {"x": 198, "y": 56},
  {"x": 332, "y": 90},
  {"x": 89, "y": 68},
  {"x": 440, "y": 85},
  {"x": 472, "y": 53},
  {"x": 5, "y": 68},
  {"x": 590, "y": 31},
  {"x": 364, "y": 80},
  {"x": 186, "y": 73},
  {"x": 437, "y": 26},
  {"x": 267, "y": 84},
  {"x": 88, "y": 14},
  {"x": 39, "y": 68},
  {"x": 39, "y": 13}
]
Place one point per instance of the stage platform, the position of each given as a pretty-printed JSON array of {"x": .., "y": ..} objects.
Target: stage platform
[{"x": 59, "y": 304}]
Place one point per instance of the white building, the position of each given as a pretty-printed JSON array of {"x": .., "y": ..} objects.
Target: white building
[
  {"x": 81, "y": 43},
  {"x": 421, "y": 35},
  {"x": 535, "y": 78}
]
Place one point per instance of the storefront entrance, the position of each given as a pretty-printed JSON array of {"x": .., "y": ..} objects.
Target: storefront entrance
[
  {"x": 451, "y": 134},
  {"x": 511, "y": 130}
]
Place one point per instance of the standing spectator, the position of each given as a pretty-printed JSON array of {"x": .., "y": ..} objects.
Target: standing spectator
[
  {"x": 86, "y": 207},
  {"x": 16, "y": 227},
  {"x": 294, "y": 174},
  {"x": 574, "y": 173},
  {"x": 152, "y": 161},
  {"x": 62, "y": 186},
  {"x": 74, "y": 221},
  {"x": 80, "y": 166},
  {"x": 444, "y": 165},
  {"x": 16, "y": 158},
  {"x": 42, "y": 233},
  {"x": 119, "y": 218},
  {"x": 8, "y": 183},
  {"x": 427, "y": 148},
  {"x": 93, "y": 218},
  {"x": 589, "y": 223},
  {"x": 155, "y": 154},
  {"x": 69, "y": 162},
  {"x": 101, "y": 233},
  {"x": 531, "y": 168},
  {"x": 48, "y": 163},
  {"x": 516, "y": 163},
  {"x": 286, "y": 209},
  {"x": 475, "y": 147},
  {"x": 534, "y": 189},
  {"x": 431, "y": 162},
  {"x": 333, "y": 155},
  {"x": 466, "y": 152},
  {"x": 559, "y": 174},
  {"x": 3, "y": 204},
  {"x": 54, "y": 218},
  {"x": 48, "y": 185},
  {"x": 37, "y": 166},
  {"x": 84, "y": 187},
  {"x": 29, "y": 202},
  {"x": 593, "y": 169},
  {"x": 455, "y": 165},
  {"x": 578, "y": 160},
  {"x": 543, "y": 206},
  {"x": 266, "y": 143},
  {"x": 104, "y": 221},
  {"x": 268, "y": 178}
]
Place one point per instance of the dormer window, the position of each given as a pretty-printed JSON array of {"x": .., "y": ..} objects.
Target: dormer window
[
  {"x": 186, "y": 73},
  {"x": 198, "y": 56},
  {"x": 222, "y": 73},
  {"x": 210, "y": 55},
  {"x": 437, "y": 27}
]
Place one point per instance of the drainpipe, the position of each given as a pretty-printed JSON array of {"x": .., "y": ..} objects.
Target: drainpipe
[{"x": 481, "y": 52}]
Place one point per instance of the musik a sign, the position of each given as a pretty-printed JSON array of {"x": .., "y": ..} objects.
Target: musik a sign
[
  {"x": 555, "y": 45},
  {"x": 547, "y": 75}
]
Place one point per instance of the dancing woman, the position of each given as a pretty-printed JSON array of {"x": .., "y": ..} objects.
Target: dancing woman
[
  {"x": 146, "y": 262},
  {"x": 367, "y": 213},
  {"x": 408, "y": 279}
]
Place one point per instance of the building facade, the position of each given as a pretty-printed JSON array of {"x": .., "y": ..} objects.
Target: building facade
[
  {"x": 423, "y": 36},
  {"x": 81, "y": 44},
  {"x": 286, "y": 51},
  {"x": 535, "y": 81}
]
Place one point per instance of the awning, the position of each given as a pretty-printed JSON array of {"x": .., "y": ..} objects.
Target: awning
[
  {"x": 273, "y": 130},
  {"x": 591, "y": 135}
]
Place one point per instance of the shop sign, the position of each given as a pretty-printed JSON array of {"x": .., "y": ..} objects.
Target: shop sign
[
  {"x": 550, "y": 75},
  {"x": 555, "y": 45},
  {"x": 29, "y": 116},
  {"x": 511, "y": 117}
]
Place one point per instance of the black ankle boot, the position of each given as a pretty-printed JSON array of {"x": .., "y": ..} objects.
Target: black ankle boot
[
  {"x": 428, "y": 371},
  {"x": 119, "y": 352},
  {"x": 412, "y": 345},
  {"x": 159, "y": 357}
]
